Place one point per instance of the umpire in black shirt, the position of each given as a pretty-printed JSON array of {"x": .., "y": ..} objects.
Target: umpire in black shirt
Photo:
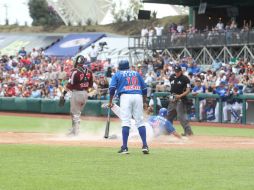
[{"x": 180, "y": 88}]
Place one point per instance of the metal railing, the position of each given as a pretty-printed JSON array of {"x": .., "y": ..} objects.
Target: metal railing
[{"x": 176, "y": 40}]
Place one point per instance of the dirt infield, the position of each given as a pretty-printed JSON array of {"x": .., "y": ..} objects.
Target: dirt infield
[{"x": 86, "y": 140}]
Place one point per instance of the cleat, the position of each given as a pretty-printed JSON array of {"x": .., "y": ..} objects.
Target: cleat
[
  {"x": 145, "y": 150},
  {"x": 123, "y": 151}
]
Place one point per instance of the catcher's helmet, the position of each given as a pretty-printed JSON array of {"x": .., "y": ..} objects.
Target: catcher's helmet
[
  {"x": 163, "y": 112},
  {"x": 123, "y": 65},
  {"x": 80, "y": 61}
]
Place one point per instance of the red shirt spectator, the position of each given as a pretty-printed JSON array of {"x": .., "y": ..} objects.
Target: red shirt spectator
[{"x": 10, "y": 91}]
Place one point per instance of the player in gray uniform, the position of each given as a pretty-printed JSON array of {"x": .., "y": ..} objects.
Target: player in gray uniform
[
  {"x": 80, "y": 81},
  {"x": 130, "y": 87}
]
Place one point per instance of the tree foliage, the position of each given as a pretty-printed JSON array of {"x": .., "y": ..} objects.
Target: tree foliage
[
  {"x": 120, "y": 13},
  {"x": 42, "y": 14}
]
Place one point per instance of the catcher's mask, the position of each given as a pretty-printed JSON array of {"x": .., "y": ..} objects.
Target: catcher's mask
[{"x": 80, "y": 61}]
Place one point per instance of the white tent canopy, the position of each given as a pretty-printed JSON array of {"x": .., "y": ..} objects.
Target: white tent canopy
[{"x": 113, "y": 48}]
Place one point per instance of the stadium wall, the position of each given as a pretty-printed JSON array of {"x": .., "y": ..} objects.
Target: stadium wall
[{"x": 36, "y": 105}]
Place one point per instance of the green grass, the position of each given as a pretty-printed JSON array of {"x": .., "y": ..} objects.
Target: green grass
[
  {"x": 41, "y": 167},
  {"x": 25, "y": 167}
]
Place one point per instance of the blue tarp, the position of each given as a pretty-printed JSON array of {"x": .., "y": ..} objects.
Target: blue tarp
[{"x": 70, "y": 44}]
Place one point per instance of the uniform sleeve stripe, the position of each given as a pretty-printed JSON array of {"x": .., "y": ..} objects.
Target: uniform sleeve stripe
[{"x": 72, "y": 77}]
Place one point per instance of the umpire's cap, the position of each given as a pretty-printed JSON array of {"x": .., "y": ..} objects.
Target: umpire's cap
[
  {"x": 177, "y": 68},
  {"x": 123, "y": 65}
]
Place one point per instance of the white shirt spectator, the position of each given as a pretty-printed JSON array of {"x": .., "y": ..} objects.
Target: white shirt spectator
[
  {"x": 180, "y": 28},
  {"x": 34, "y": 54},
  {"x": 93, "y": 52},
  {"x": 220, "y": 25},
  {"x": 159, "y": 30},
  {"x": 144, "y": 32}
]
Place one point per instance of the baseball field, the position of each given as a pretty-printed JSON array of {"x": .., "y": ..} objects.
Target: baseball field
[{"x": 36, "y": 154}]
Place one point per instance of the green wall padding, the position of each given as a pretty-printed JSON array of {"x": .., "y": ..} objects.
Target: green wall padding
[
  {"x": 8, "y": 104},
  {"x": 48, "y": 106},
  {"x": 21, "y": 104},
  {"x": 0, "y": 103},
  {"x": 93, "y": 108},
  {"x": 64, "y": 109},
  {"x": 33, "y": 105}
]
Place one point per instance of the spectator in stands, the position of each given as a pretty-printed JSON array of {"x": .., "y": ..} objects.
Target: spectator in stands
[
  {"x": 235, "y": 104},
  {"x": 139, "y": 70},
  {"x": 166, "y": 59},
  {"x": 151, "y": 104},
  {"x": 22, "y": 52},
  {"x": 10, "y": 90},
  {"x": 36, "y": 92},
  {"x": 223, "y": 93},
  {"x": 192, "y": 79},
  {"x": 93, "y": 53},
  {"x": 216, "y": 65},
  {"x": 102, "y": 88},
  {"x": 184, "y": 63},
  {"x": 34, "y": 54},
  {"x": 151, "y": 35},
  {"x": 180, "y": 28},
  {"x": 150, "y": 66},
  {"x": 26, "y": 92},
  {"x": 220, "y": 26},
  {"x": 221, "y": 77},
  {"x": 193, "y": 68},
  {"x": 233, "y": 79},
  {"x": 199, "y": 88},
  {"x": 108, "y": 74},
  {"x": 150, "y": 79},
  {"x": 144, "y": 36},
  {"x": 1, "y": 91},
  {"x": 62, "y": 74},
  {"x": 159, "y": 30},
  {"x": 172, "y": 28},
  {"x": 233, "y": 25}
]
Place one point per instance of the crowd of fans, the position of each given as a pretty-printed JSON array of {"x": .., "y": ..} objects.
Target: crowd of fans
[
  {"x": 34, "y": 75},
  {"x": 152, "y": 35}
]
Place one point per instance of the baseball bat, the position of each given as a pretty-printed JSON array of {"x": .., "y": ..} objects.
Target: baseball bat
[{"x": 107, "y": 125}]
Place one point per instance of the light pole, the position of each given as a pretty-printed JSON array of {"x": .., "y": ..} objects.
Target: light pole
[{"x": 6, "y": 14}]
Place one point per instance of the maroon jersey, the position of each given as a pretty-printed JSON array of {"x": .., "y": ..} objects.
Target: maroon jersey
[{"x": 80, "y": 79}]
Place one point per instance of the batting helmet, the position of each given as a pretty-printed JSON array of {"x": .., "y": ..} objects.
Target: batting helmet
[
  {"x": 163, "y": 112},
  {"x": 123, "y": 65},
  {"x": 80, "y": 61}
]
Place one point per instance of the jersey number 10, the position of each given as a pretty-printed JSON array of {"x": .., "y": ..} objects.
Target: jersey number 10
[{"x": 132, "y": 80}]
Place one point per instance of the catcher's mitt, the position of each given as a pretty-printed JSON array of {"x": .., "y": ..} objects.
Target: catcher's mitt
[{"x": 61, "y": 101}]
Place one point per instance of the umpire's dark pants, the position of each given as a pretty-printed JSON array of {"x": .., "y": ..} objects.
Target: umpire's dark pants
[{"x": 179, "y": 108}]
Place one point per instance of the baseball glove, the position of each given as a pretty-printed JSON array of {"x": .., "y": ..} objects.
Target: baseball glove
[{"x": 61, "y": 101}]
